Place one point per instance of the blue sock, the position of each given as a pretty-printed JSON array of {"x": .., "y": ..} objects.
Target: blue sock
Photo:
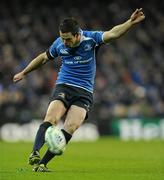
[
  {"x": 47, "y": 157},
  {"x": 39, "y": 139},
  {"x": 67, "y": 135}
]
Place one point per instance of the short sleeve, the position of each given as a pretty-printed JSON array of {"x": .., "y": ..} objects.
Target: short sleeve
[
  {"x": 52, "y": 51},
  {"x": 96, "y": 35}
]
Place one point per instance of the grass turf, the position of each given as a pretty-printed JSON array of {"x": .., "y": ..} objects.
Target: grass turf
[{"x": 105, "y": 159}]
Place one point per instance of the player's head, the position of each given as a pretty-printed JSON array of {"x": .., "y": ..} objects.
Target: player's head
[{"x": 69, "y": 32}]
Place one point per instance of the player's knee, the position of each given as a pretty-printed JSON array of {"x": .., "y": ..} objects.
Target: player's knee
[{"x": 52, "y": 119}]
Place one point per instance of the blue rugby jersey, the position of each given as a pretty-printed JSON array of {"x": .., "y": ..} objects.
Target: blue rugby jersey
[{"x": 78, "y": 64}]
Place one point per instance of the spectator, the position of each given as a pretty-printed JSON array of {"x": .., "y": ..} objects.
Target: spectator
[{"x": 130, "y": 81}]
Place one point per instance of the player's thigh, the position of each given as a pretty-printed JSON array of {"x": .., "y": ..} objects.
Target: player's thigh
[
  {"x": 55, "y": 111},
  {"x": 75, "y": 117}
]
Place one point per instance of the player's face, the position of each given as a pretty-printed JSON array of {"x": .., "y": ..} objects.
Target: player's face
[{"x": 70, "y": 40}]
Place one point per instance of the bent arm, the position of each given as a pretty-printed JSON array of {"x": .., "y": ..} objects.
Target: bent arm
[
  {"x": 121, "y": 29},
  {"x": 117, "y": 31},
  {"x": 34, "y": 64}
]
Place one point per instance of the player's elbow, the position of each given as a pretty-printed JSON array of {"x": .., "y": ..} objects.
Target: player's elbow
[
  {"x": 44, "y": 57},
  {"x": 110, "y": 35}
]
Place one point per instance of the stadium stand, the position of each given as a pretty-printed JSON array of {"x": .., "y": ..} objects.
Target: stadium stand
[{"x": 130, "y": 71}]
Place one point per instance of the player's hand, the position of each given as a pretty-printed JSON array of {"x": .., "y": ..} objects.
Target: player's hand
[
  {"x": 18, "y": 77},
  {"x": 137, "y": 16}
]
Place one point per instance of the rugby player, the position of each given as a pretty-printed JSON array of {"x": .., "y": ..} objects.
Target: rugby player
[{"x": 73, "y": 91}]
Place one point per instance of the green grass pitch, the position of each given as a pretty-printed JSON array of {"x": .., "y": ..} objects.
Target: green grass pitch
[{"x": 105, "y": 159}]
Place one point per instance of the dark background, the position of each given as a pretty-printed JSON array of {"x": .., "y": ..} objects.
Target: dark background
[{"x": 130, "y": 70}]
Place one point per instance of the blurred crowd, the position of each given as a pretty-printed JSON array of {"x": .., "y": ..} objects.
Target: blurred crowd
[{"x": 130, "y": 70}]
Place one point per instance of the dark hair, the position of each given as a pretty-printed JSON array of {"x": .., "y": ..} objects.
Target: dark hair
[{"x": 69, "y": 25}]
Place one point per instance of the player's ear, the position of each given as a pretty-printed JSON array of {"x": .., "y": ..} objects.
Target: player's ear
[{"x": 77, "y": 35}]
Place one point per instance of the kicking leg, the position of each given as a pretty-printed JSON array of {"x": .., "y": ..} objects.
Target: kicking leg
[
  {"x": 54, "y": 113},
  {"x": 74, "y": 119}
]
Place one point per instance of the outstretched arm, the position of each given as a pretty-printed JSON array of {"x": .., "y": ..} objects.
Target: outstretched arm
[
  {"x": 34, "y": 64},
  {"x": 121, "y": 29}
]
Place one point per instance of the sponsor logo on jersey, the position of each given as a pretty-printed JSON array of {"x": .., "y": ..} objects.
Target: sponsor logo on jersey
[
  {"x": 87, "y": 47},
  {"x": 77, "y": 58},
  {"x": 63, "y": 51}
]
